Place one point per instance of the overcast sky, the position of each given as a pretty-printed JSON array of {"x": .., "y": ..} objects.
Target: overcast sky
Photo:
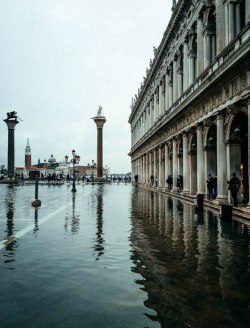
[{"x": 61, "y": 59}]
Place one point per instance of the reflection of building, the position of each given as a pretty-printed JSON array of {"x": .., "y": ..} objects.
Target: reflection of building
[{"x": 191, "y": 114}]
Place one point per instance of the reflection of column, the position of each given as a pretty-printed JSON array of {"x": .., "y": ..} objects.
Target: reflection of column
[
  {"x": 11, "y": 123},
  {"x": 98, "y": 247},
  {"x": 200, "y": 162},
  {"x": 202, "y": 239}
]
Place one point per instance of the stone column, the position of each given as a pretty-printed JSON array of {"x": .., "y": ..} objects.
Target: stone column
[
  {"x": 100, "y": 121},
  {"x": 185, "y": 66},
  {"x": 221, "y": 158},
  {"x": 200, "y": 46},
  {"x": 186, "y": 169},
  {"x": 180, "y": 74},
  {"x": 237, "y": 18},
  {"x": 11, "y": 122},
  {"x": 191, "y": 67},
  {"x": 155, "y": 107},
  {"x": 150, "y": 166},
  {"x": 175, "y": 167},
  {"x": 160, "y": 100},
  {"x": 175, "y": 85},
  {"x": 167, "y": 91},
  {"x": 221, "y": 28},
  {"x": 170, "y": 89},
  {"x": 247, "y": 11},
  {"x": 160, "y": 168},
  {"x": 248, "y": 115},
  {"x": 155, "y": 166},
  {"x": 167, "y": 164},
  {"x": 200, "y": 162},
  {"x": 231, "y": 25}
]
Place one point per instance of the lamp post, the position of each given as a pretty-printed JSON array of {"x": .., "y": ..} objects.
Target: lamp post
[{"x": 75, "y": 160}]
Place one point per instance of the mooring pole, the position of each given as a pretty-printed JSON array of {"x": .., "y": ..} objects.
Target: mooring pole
[{"x": 36, "y": 202}]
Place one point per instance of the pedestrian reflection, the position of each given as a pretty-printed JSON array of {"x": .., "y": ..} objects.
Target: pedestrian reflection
[{"x": 98, "y": 247}]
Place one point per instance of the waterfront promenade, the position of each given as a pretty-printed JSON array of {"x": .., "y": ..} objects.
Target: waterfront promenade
[{"x": 118, "y": 256}]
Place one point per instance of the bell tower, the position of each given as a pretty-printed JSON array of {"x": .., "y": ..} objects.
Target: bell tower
[{"x": 27, "y": 155}]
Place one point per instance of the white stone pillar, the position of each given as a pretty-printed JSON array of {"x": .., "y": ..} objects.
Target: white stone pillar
[
  {"x": 155, "y": 107},
  {"x": 247, "y": 11},
  {"x": 160, "y": 168},
  {"x": 221, "y": 158},
  {"x": 167, "y": 91},
  {"x": 237, "y": 17},
  {"x": 200, "y": 162},
  {"x": 160, "y": 100},
  {"x": 231, "y": 25},
  {"x": 248, "y": 110},
  {"x": 185, "y": 66},
  {"x": 200, "y": 46},
  {"x": 175, "y": 166},
  {"x": 143, "y": 169},
  {"x": 175, "y": 83},
  {"x": 167, "y": 164},
  {"x": 155, "y": 166},
  {"x": 186, "y": 169},
  {"x": 180, "y": 75},
  {"x": 191, "y": 67},
  {"x": 170, "y": 89}
]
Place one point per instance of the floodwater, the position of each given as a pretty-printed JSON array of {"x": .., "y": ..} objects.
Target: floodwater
[{"x": 118, "y": 256}]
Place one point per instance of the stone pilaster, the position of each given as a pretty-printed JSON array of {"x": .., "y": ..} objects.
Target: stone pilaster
[
  {"x": 186, "y": 169},
  {"x": 221, "y": 158},
  {"x": 200, "y": 162},
  {"x": 175, "y": 167}
]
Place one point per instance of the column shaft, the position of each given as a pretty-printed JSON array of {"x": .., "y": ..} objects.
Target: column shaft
[{"x": 200, "y": 162}]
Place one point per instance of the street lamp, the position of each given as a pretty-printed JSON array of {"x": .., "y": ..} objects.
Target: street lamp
[{"x": 75, "y": 160}]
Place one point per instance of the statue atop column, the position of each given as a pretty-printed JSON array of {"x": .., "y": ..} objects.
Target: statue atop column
[
  {"x": 11, "y": 122},
  {"x": 99, "y": 111}
]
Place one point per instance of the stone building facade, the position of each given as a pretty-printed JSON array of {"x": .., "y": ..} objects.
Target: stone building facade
[{"x": 191, "y": 115}]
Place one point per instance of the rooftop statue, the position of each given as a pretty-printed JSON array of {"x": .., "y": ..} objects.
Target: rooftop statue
[
  {"x": 12, "y": 114},
  {"x": 99, "y": 111}
]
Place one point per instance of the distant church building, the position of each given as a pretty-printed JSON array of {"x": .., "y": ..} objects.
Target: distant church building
[
  {"x": 191, "y": 115},
  {"x": 28, "y": 155}
]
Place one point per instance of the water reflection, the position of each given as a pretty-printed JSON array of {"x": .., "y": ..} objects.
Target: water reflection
[
  {"x": 72, "y": 217},
  {"x": 99, "y": 247},
  {"x": 194, "y": 267}
]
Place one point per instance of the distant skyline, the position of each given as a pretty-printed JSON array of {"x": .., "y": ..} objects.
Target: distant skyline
[{"x": 61, "y": 59}]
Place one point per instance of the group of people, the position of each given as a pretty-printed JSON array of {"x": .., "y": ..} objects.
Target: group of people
[
  {"x": 179, "y": 182},
  {"x": 233, "y": 185}
]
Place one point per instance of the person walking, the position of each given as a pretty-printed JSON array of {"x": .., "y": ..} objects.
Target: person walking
[
  {"x": 234, "y": 186},
  {"x": 169, "y": 182},
  {"x": 210, "y": 186}
]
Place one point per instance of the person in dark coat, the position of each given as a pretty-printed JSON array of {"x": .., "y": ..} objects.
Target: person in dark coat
[
  {"x": 210, "y": 186},
  {"x": 170, "y": 182},
  {"x": 234, "y": 186}
]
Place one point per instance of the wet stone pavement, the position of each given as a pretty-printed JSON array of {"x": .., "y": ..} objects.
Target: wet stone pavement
[{"x": 118, "y": 256}]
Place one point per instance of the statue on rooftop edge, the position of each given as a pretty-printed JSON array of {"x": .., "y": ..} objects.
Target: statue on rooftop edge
[{"x": 99, "y": 111}]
